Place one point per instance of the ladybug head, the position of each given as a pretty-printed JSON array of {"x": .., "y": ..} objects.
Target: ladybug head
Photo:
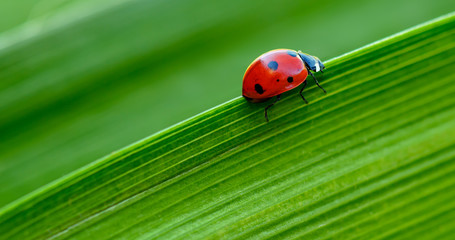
[{"x": 311, "y": 62}]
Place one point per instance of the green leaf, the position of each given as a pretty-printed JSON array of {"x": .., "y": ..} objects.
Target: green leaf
[
  {"x": 83, "y": 78},
  {"x": 374, "y": 158}
]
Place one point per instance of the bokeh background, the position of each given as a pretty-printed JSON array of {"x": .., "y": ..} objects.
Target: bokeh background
[{"x": 82, "y": 78}]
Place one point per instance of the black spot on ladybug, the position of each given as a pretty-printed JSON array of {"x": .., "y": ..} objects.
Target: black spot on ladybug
[
  {"x": 273, "y": 65},
  {"x": 258, "y": 88},
  {"x": 292, "y": 53},
  {"x": 278, "y": 80},
  {"x": 290, "y": 79},
  {"x": 247, "y": 98}
]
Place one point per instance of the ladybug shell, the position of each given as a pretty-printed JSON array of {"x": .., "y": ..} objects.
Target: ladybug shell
[{"x": 273, "y": 73}]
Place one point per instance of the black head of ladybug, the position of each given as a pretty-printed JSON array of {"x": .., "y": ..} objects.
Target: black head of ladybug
[{"x": 311, "y": 62}]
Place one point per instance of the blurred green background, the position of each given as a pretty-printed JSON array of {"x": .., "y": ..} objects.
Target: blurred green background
[{"x": 80, "y": 79}]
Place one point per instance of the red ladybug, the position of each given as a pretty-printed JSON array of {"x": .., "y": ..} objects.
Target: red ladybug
[{"x": 276, "y": 72}]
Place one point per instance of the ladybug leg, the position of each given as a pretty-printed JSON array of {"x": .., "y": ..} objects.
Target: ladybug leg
[
  {"x": 301, "y": 90},
  {"x": 315, "y": 80},
  {"x": 266, "y": 108}
]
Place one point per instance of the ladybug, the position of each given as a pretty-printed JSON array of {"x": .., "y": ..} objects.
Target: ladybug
[{"x": 276, "y": 72}]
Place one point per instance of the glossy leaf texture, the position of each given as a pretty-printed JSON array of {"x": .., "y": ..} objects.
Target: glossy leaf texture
[
  {"x": 80, "y": 79},
  {"x": 372, "y": 159}
]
